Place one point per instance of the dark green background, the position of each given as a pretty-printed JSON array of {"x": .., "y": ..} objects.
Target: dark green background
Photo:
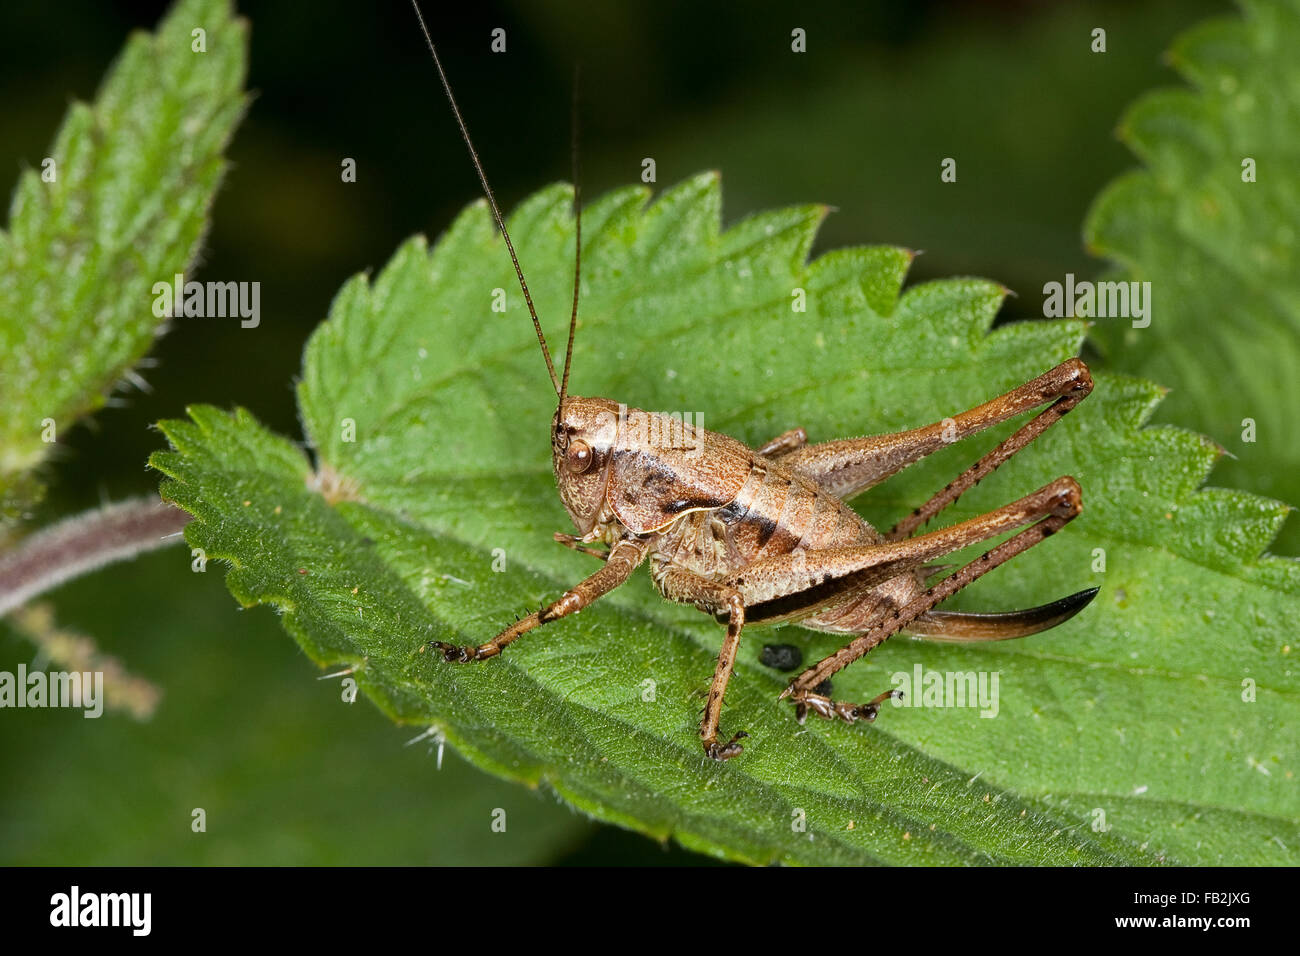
[{"x": 286, "y": 772}]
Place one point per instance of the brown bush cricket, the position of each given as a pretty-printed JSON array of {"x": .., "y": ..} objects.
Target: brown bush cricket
[{"x": 763, "y": 536}]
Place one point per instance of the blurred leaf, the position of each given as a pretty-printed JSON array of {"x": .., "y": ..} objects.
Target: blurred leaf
[
  {"x": 1010, "y": 95},
  {"x": 1222, "y": 255},
  {"x": 66, "y": 650},
  {"x": 134, "y": 177},
  {"x": 1134, "y": 708},
  {"x": 288, "y": 772}
]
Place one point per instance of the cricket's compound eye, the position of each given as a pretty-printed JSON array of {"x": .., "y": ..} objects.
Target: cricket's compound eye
[{"x": 577, "y": 457}]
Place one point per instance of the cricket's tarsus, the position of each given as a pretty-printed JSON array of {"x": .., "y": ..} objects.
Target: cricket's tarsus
[
  {"x": 823, "y": 706},
  {"x": 766, "y": 536}
]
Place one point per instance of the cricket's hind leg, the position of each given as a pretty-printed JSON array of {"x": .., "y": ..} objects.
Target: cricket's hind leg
[
  {"x": 847, "y": 467},
  {"x": 1050, "y": 509},
  {"x": 830, "y": 709},
  {"x": 951, "y": 627}
]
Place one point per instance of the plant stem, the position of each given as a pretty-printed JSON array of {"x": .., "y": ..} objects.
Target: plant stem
[
  {"x": 60, "y": 649},
  {"x": 84, "y": 543}
]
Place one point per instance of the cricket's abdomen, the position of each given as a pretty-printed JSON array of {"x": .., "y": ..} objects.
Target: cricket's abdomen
[{"x": 778, "y": 511}]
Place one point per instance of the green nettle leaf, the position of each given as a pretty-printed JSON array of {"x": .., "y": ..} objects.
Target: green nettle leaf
[
  {"x": 1154, "y": 727},
  {"x": 1211, "y": 223},
  {"x": 120, "y": 203}
]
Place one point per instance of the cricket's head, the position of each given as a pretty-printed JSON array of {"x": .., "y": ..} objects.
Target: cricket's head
[{"x": 583, "y": 434}]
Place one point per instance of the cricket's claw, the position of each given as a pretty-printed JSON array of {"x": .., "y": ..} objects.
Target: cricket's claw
[
  {"x": 869, "y": 710},
  {"x": 458, "y": 654},
  {"x": 724, "y": 751},
  {"x": 453, "y": 652},
  {"x": 831, "y": 709}
]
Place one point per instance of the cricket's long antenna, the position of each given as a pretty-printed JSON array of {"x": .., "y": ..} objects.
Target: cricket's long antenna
[
  {"x": 577, "y": 239},
  {"x": 492, "y": 201}
]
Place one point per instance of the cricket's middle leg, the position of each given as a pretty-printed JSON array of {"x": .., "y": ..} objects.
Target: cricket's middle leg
[{"x": 687, "y": 587}]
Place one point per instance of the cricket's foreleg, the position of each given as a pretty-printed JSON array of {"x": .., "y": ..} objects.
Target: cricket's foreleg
[
  {"x": 1055, "y": 505},
  {"x": 624, "y": 558},
  {"x": 850, "y": 466},
  {"x": 687, "y": 587},
  {"x": 784, "y": 443}
]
